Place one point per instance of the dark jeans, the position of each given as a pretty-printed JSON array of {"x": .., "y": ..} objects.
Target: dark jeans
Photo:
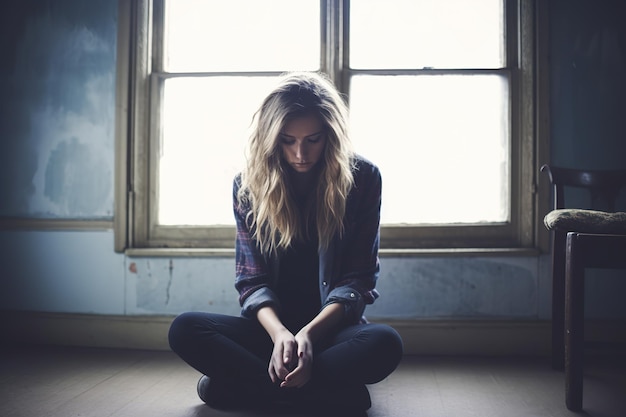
[{"x": 235, "y": 352}]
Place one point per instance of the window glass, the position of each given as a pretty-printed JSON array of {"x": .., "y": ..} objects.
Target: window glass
[
  {"x": 441, "y": 142},
  {"x": 205, "y": 126},
  {"x": 455, "y": 145},
  {"x": 242, "y": 35},
  {"x": 426, "y": 33}
]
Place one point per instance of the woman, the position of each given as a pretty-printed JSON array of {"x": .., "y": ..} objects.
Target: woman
[{"x": 307, "y": 211}]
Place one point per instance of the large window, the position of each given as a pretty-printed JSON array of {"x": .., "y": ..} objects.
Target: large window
[{"x": 441, "y": 94}]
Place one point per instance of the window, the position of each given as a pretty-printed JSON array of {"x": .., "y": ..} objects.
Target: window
[{"x": 441, "y": 95}]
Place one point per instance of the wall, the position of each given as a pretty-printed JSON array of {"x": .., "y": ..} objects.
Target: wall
[
  {"x": 57, "y": 136},
  {"x": 588, "y": 87},
  {"x": 78, "y": 272},
  {"x": 57, "y": 78}
]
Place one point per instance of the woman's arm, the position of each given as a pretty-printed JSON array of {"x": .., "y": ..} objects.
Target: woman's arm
[
  {"x": 355, "y": 266},
  {"x": 252, "y": 273},
  {"x": 323, "y": 323}
]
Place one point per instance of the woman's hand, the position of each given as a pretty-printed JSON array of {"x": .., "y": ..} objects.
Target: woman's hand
[
  {"x": 302, "y": 372},
  {"x": 284, "y": 356},
  {"x": 292, "y": 358}
]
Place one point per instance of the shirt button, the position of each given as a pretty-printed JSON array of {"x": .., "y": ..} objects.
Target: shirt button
[
  {"x": 352, "y": 295},
  {"x": 324, "y": 283}
]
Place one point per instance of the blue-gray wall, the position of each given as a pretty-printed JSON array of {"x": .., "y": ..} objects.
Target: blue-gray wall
[
  {"x": 57, "y": 80},
  {"x": 588, "y": 83}
]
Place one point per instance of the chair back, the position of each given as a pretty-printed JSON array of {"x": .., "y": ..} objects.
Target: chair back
[{"x": 604, "y": 186}]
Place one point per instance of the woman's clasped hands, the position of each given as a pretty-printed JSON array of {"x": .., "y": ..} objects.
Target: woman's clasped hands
[{"x": 292, "y": 359}]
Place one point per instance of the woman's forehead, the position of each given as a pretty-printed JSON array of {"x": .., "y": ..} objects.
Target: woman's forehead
[{"x": 304, "y": 125}]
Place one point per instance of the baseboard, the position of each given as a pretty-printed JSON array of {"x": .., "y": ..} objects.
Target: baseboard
[
  {"x": 421, "y": 337},
  {"x": 89, "y": 330},
  {"x": 474, "y": 337}
]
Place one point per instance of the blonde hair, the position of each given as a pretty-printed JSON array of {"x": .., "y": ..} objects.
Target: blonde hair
[{"x": 274, "y": 217}]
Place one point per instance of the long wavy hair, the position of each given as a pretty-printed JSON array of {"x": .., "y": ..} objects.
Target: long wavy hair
[{"x": 274, "y": 217}]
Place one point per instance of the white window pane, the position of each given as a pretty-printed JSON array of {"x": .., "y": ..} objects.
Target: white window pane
[
  {"x": 242, "y": 35},
  {"x": 441, "y": 142},
  {"x": 206, "y": 123},
  {"x": 426, "y": 33}
]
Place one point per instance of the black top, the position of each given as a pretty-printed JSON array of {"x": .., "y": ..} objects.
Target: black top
[
  {"x": 298, "y": 281},
  {"x": 298, "y": 289}
]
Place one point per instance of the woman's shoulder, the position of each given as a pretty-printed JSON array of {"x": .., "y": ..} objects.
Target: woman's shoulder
[{"x": 364, "y": 168}]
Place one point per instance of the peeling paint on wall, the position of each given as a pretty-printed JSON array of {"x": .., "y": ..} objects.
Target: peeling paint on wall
[
  {"x": 169, "y": 282},
  {"x": 173, "y": 286}
]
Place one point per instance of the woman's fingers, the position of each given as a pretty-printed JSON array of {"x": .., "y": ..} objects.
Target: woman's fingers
[
  {"x": 290, "y": 359},
  {"x": 274, "y": 368},
  {"x": 283, "y": 359},
  {"x": 289, "y": 350},
  {"x": 301, "y": 374}
]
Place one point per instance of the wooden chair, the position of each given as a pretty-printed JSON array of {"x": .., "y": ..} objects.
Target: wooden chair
[{"x": 582, "y": 238}]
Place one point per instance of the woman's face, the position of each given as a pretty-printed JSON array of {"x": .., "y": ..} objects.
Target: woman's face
[{"x": 302, "y": 141}]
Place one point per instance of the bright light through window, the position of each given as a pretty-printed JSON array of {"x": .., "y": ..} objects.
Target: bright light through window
[
  {"x": 205, "y": 120},
  {"x": 426, "y": 33},
  {"x": 206, "y": 123},
  {"x": 242, "y": 35},
  {"x": 441, "y": 143}
]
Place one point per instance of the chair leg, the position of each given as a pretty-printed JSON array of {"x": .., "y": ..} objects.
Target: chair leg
[
  {"x": 558, "y": 302},
  {"x": 574, "y": 324}
]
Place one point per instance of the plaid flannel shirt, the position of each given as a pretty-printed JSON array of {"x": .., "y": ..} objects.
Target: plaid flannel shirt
[{"x": 348, "y": 268}]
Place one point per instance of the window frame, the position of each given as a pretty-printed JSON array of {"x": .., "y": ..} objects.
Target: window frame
[{"x": 140, "y": 79}]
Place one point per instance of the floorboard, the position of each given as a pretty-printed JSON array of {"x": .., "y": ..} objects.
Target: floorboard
[{"x": 73, "y": 382}]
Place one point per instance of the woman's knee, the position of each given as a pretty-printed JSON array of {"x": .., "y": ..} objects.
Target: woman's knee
[
  {"x": 182, "y": 330},
  {"x": 391, "y": 340},
  {"x": 384, "y": 338},
  {"x": 388, "y": 352}
]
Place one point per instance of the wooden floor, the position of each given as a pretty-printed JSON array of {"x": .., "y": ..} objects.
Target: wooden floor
[{"x": 72, "y": 382}]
